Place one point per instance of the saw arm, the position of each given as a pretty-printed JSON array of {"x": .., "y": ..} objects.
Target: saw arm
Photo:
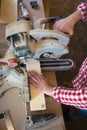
[{"x": 46, "y": 44}]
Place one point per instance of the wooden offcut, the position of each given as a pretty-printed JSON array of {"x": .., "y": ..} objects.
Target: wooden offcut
[{"x": 8, "y": 11}]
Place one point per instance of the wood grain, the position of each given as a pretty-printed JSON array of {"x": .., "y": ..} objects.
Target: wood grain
[
  {"x": 8, "y": 10},
  {"x": 37, "y": 98}
]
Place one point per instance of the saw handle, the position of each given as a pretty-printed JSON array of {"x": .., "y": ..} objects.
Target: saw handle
[
  {"x": 50, "y": 19},
  {"x": 41, "y": 21},
  {"x": 53, "y": 19}
]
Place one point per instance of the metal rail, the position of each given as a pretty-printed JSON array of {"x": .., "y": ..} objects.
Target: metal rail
[{"x": 56, "y": 65}]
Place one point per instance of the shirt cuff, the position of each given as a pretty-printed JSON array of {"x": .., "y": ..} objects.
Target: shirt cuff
[
  {"x": 82, "y": 7},
  {"x": 55, "y": 93}
]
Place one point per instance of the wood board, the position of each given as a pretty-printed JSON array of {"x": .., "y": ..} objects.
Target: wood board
[
  {"x": 8, "y": 11},
  {"x": 37, "y": 98}
]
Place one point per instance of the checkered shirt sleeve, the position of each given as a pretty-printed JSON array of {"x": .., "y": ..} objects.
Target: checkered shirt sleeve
[
  {"x": 80, "y": 81},
  {"x": 76, "y": 96},
  {"x": 82, "y": 7}
]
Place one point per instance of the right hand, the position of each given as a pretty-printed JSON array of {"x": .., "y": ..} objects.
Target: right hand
[{"x": 64, "y": 25}]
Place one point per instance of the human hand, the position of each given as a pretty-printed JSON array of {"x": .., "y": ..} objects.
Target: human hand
[
  {"x": 40, "y": 82},
  {"x": 64, "y": 25}
]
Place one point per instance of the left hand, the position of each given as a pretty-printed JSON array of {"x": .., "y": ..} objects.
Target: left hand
[{"x": 40, "y": 82}]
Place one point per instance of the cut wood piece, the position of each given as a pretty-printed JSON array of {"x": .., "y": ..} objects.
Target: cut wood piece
[
  {"x": 37, "y": 98},
  {"x": 8, "y": 11},
  {"x": 37, "y": 12}
]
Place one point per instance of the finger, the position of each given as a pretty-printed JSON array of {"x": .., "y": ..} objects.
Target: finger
[
  {"x": 54, "y": 26},
  {"x": 35, "y": 85},
  {"x": 33, "y": 78},
  {"x": 33, "y": 82},
  {"x": 31, "y": 73},
  {"x": 57, "y": 28},
  {"x": 71, "y": 33},
  {"x": 40, "y": 77},
  {"x": 35, "y": 74}
]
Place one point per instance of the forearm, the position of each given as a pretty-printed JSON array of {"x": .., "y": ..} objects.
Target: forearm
[
  {"x": 80, "y": 81},
  {"x": 70, "y": 96},
  {"x": 80, "y": 13},
  {"x": 75, "y": 17}
]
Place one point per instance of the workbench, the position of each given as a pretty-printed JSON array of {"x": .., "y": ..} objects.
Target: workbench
[{"x": 12, "y": 102}]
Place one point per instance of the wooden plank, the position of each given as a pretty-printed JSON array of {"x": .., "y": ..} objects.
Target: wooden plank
[
  {"x": 9, "y": 9},
  {"x": 37, "y": 98}
]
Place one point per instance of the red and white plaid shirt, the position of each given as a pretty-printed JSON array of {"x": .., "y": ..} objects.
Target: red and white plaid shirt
[
  {"x": 82, "y": 7},
  {"x": 76, "y": 96}
]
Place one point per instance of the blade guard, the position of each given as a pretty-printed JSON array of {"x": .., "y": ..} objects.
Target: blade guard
[
  {"x": 50, "y": 41},
  {"x": 40, "y": 34},
  {"x": 50, "y": 49}
]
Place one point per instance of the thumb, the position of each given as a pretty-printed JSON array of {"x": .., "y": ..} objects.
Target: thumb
[{"x": 71, "y": 32}]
